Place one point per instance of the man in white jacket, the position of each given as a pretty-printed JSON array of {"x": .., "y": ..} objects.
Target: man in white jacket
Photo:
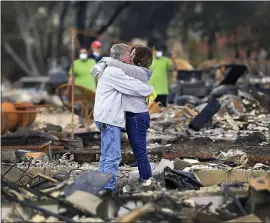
[{"x": 108, "y": 111}]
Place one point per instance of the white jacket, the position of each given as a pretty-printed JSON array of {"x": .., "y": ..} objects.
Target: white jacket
[{"x": 112, "y": 84}]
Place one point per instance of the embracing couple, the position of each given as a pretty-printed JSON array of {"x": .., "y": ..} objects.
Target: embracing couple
[{"x": 122, "y": 99}]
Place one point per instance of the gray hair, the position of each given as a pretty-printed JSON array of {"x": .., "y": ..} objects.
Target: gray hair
[{"x": 118, "y": 50}]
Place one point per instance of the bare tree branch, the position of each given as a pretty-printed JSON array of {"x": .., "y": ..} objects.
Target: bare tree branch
[
  {"x": 49, "y": 40},
  {"x": 114, "y": 16},
  {"x": 47, "y": 43},
  {"x": 95, "y": 15},
  {"x": 61, "y": 26},
  {"x": 37, "y": 38},
  {"x": 15, "y": 57},
  {"x": 24, "y": 30}
]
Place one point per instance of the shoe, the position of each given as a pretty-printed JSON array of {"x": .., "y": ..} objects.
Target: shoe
[
  {"x": 107, "y": 193},
  {"x": 146, "y": 183},
  {"x": 134, "y": 164}
]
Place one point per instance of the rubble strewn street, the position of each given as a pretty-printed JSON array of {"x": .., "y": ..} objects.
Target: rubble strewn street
[{"x": 218, "y": 173}]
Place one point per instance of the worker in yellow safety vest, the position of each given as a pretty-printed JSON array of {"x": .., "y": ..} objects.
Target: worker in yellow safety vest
[
  {"x": 160, "y": 68},
  {"x": 82, "y": 68}
]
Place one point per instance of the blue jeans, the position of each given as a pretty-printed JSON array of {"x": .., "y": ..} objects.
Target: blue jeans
[
  {"x": 136, "y": 126},
  {"x": 110, "y": 153}
]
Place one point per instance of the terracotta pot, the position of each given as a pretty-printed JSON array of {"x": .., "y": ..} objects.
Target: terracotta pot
[
  {"x": 8, "y": 118},
  {"x": 25, "y": 119}
]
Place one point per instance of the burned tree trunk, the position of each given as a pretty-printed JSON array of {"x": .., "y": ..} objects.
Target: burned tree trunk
[
  {"x": 80, "y": 21},
  {"x": 114, "y": 16},
  {"x": 211, "y": 45},
  {"x": 61, "y": 25}
]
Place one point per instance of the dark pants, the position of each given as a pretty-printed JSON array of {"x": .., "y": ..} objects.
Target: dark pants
[
  {"x": 162, "y": 98},
  {"x": 136, "y": 126}
]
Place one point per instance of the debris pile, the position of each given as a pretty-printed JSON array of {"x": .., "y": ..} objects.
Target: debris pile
[
  {"x": 209, "y": 156},
  {"x": 236, "y": 117},
  {"x": 78, "y": 200}
]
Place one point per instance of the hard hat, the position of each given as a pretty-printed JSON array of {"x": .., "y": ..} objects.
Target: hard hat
[{"x": 96, "y": 44}]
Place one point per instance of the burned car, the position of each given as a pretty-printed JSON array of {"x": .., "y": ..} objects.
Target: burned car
[{"x": 35, "y": 90}]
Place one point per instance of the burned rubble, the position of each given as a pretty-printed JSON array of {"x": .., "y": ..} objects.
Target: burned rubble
[{"x": 206, "y": 168}]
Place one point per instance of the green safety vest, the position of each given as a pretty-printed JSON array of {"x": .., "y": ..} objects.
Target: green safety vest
[
  {"x": 82, "y": 73},
  {"x": 159, "y": 79}
]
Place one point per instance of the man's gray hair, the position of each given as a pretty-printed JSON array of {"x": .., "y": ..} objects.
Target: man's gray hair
[{"x": 118, "y": 50}]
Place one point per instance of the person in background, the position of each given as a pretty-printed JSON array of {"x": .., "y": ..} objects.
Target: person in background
[
  {"x": 96, "y": 49},
  {"x": 160, "y": 67},
  {"x": 82, "y": 67}
]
